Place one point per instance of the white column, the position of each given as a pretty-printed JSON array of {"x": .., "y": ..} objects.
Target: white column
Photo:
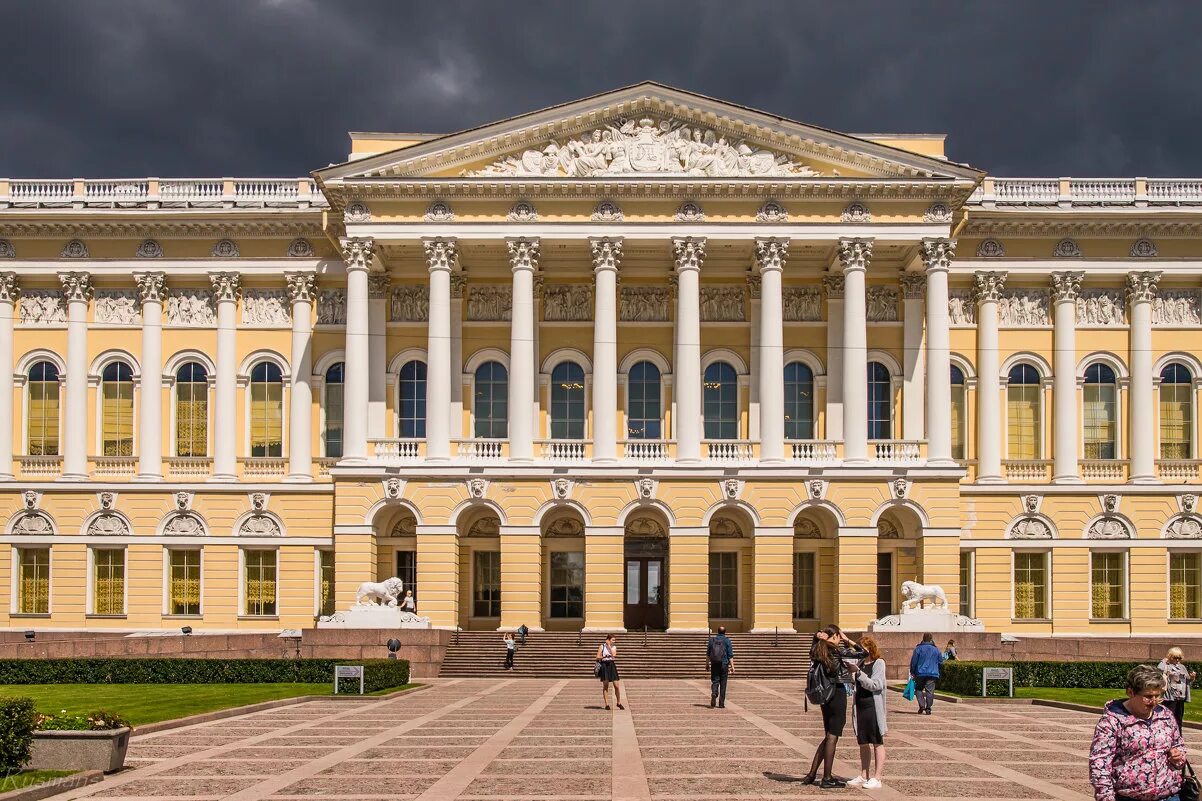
[
  {"x": 357, "y": 253},
  {"x": 1065, "y": 288},
  {"x": 607, "y": 255},
  {"x": 755, "y": 286},
  {"x": 914, "y": 288},
  {"x": 152, "y": 288},
  {"x": 9, "y": 292},
  {"x": 833, "y": 284},
  {"x": 226, "y": 289},
  {"x": 377, "y": 371},
  {"x": 77, "y": 291},
  {"x": 770, "y": 255},
  {"x": 988, "y": 290},
  {"x": 458, "y": 282},
  {"x": 853, "y": 257},
  {"x": 690, "y": 253},
  {"x": 441, "y": 257},
  {"x": 523, "y": 258},
  {"x": 1141, "y": 290},
  {"x": 301, "y": 288},
  {"x": 937, "y": 256}
]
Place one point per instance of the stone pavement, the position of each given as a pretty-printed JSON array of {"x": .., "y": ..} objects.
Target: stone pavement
[{"x": 506, "y": 740}]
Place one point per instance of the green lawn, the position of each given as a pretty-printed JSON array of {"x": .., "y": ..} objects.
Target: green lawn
[{"x": 29, "y": 777}]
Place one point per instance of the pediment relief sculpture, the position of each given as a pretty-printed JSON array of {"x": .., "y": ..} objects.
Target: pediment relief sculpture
[
  {"x": 645, "y": 527},
  {"x": 1018, "y": 308},
  {"x": 1107, "y": 528},
  {"x": 108, "y": 524},
  {"x": 722, "y": 304},
  {"x": 260, "y": 525},
  {"x": 117, "y": 307},
  {"x": 567, "y": 302},
  {"x": 802, "y": 304},
  {"x": 409, "y": 303},
  {"x": 567, "y": 526},
  {"x": 191, "y": 307},
  {"x": 887, "y": 531},
  {"x": 405, "y": 526},
  {"x": 807, "y": 529},
  {"x": 492, "y": 303},
  {"x": 644, "y": 304},
  {"x": 1030, "y": 528},
  {"x": 1101, "y": 307},
  {"x": 42, "y": 307},
  {"x": 1176, "y": 307}
]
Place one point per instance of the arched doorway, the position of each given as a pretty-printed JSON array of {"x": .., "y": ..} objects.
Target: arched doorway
[
  {"x": 563, "y": 570},
  {"x": 479, "y": 569},
  {"x": 815, "y": 575},
  {"x": 731, "y": 569},
  {"x": 645, "y": 547},
  {"x": 897, "y": 557},
  {"x": 396, "y": 547}
]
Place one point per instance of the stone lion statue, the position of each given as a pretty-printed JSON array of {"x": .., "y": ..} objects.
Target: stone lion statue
[
  {"x": 373, "y": 593},
  {"x": 916, "y": 593}
]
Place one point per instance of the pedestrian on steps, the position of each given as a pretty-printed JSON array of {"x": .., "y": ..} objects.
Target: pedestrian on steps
[
  {"x": 607, "y": 670},
  {"x": 721, "y": 657},
  {"x": 510, "y": 647}
]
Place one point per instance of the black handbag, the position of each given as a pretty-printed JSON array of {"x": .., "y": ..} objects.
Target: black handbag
[{"x": 1191, "y": 788}]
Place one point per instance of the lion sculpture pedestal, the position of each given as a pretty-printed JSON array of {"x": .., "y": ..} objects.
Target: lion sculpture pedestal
[
  {"x": 375, "y": 608},
  {"x": 925, "y": 609}
]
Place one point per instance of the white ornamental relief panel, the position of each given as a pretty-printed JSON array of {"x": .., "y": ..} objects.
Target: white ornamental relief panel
[
  {"x": 260, "y": 525},
  {"x": 331, "y": 307},
  {"x": 881, "y": 303},
  {"x": 42, "y": 307},
  {"x": 1176, "y": 308},
  {"x": 184, "y": 524},
  {"x": 266, "y": 308},
  {"x": 567, "y": 302},
  {"x": 648, "y": 147},
  {"x": 722, "y": 304},
  {"x": 644, "y": 304},
  {"x": 1101, "y": 307},
  {"x": 108, "y": 524},
  {"x": 408, "y": 304},
  {"x": 962, "y": 309},
  {"x": 191, "y": 307},
  {"x": 489, "y": 302},
  {"x": 117, "y": 307},
  {"x": 802, "y": 304},
  {"x": 1184, "y": 527},
  {"x": 1018, "y": 308},
  {"x": 1030, "y": 528}
]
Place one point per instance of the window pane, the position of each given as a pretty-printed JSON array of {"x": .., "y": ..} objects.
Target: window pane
[
  {"x": 567, "y": 584},
  {"x": 724, "y": 585},
  {"x": 803, "y": 586},
  {"x": 486, "y": 589},
  {"x": 108, "y": 581},
  {"x": 634, "y": 572},
  {"x": 406, "y": 571},
  {"x": 184, "y": 583},
  {"x": 720, "y": 401},
  {"x": 334, "y": 410},
  {"x": 1022, "y": 421},
  {"x": 643, "y": 402},
  {"x": 567, "y": 401},
  {"x": 191, "y": 411},
  {"x": 411, "y": 413},
  {"x": 43, "y": 410},
  {"x": 491, "y": 401},
  {"x": 966, "y": 583},
  {"x": 33, "y": 587},
  {"x": 884, "y": 584},
  {"x": 1101, "y": 413},
  {"x": 325, "y": 580},
  {"x": 799, "y": 401},
  {"x": 1030, "y": 586},
  {"x": 117, "y": 412},
  {"x": 959, "y": 415},
  {"x": 1109, "y": 594},
  {"x": 260, "y": 582},
  {"x": 1185, "y": 586},
  {"x": 1176, "y": 413},
  {"x": 880, "y": 402},
  {"x": 266, "y": 411}
]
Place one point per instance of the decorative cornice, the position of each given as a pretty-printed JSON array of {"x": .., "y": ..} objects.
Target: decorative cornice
[
  {"x": 10, "y": 288},
  {"x": 152, "y": 287},
  {"x": 854, "y": 254},
  {"x": 914, "y": 285},
  {"x": 441, "y": 254},
  {"x": 1141, "y": 287},
  {"x": 76, "y": 286},
  {"x": 771, "y": 253},
  {"x": 226, "y": 286},
  {"x": 607, "y": 252},
  {"x": 190, "y": 228},
  {"x": 689, "y": 252},
  {"x": 523, "y": 253},
  {"x": 1066, "y": 286},
  {"x": 988, "y": 286},
  {"x": 937, "y": 253},
  {"x": 357, "y": 252},
  {"x": 1047, "y": 227},
  {"x": 302, "y": 287}
]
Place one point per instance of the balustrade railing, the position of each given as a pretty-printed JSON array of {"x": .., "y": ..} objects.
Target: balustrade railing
[
  {"x": 1101, "y": 191},
  {"x": 563, "y": 449},
  {"x": 1088, "y": 192},
  {"x": 114, "y": 466},
  {"x": 1038, "y": 471},
  {"x": 324, "y": 463},
  {"x": 482, "y": 448},
  {"x": 813, "y": 450},
  {"x": 165, "y": 192},
  {"x": 397, "y": 450},
  {"x": 896, "y": 450},
  {"x": 1026, "y": 191},
  {"x": 1103, "y": 469},
  {"x": 1177, "y": 191},
  {"x": 38, "y": 466},
  {"x": 189, "y": 466},
  {"x": 729, "y": 450},
  {"x": 263, "y": 466},
  {"x": 1179, "y": 470},
  {"x": 647, "y": 450}
]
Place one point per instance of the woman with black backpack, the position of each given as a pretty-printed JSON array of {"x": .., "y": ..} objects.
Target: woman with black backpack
[{"x": 829, "y": 684}]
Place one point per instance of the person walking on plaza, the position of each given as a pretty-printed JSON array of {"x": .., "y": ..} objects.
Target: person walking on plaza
[
  {"x": 869, "y": 720},
  {"x": 1178, "y": 678},
  {"x": 924, "y": 667},
  {"x": 510, "y": 647},
  {"x": 829, "y": 684},
  {"x": 1137, "y": 752},
  {"x": 607, "y": 670},
  {"x": 722, "y": 663}
]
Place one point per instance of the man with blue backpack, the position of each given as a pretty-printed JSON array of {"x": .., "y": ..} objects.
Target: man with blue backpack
[{"x": 722, "y": 663}]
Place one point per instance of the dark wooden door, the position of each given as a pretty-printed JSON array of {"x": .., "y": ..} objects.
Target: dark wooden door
[{"x": 645, "y": 601}]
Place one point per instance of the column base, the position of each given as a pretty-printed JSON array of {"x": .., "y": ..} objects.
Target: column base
[
  {"x": 603, "y": 630},
  {"x": 298, "y": 478},
  {"x": 860, "y": 461},
  {"x": 1068, "y": 479},
  {"x": 351, "y": 461},
  {"x": 73, "y": 477},
  {"x": 942, "y": 462},
  {"x": 773, "y": 630},
  {"x": 688, "y": 631},
  {"x": 1145, "y": 479},
  {"x": 688, "y": 460},
  {"x": 531, "y": 629},
  {"x": 521, "y": 460},
  {"x": 774, "y": 460},
  {"x": 7, "y": 477},
  {"x": 605, "y": 460},
  {"x": 223, "y": 478},
  {"x": 148, "y": 478},
  {"x": 991, "y": 480},
  {"x": 438, "y": 460}
]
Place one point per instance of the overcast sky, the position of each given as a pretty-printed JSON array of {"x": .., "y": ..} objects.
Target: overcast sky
[{"x": 113, "y": 88}]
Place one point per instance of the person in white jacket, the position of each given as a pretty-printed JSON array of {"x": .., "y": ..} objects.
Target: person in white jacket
[{"x": 870, "y": 717}]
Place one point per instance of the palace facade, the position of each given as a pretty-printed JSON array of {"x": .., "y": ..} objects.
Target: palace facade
[{"x": 646, "y": 359}]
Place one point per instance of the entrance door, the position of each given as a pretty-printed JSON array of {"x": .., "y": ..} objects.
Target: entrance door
[{"x": 644, "y": 593}]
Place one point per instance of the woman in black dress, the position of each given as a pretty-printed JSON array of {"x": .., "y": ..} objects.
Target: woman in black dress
[
  {"x": 831, "y": 647},
  {"x": 607, "y": 670}
]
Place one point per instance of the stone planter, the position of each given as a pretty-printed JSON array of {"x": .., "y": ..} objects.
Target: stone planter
[{"x": 79, "y": 750}]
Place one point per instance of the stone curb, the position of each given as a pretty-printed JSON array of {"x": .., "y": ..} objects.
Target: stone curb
[
  {"x": 1097, "y": 710},
  {"x": 54, "y": 786}
]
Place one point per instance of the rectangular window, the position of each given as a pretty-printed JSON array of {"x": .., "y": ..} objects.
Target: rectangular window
[
  {"x": 117, "y": 426},
  {"x": 724, "y": 585},
  {"x": 334, "y": 416},
  {"x": 325, "y": 582},
  {"x": 1100, "y": 417},
  {"x": 884, "y": 584},
  {"x": 567, "y": 584},
  {"x": 1176, "y": 427},
  {"x": 266, "y": 418},
  {"x": 967, "y": 580},
  {"x": 1031, "y": 586},
  {"x": 803, "y": 586},
  {"x": 406, "y": 571},
  {"x": 43, "y": 418},
  {"x": 486, "y": 587},
  {"x": 192, "y": 419},
  {"x": 108, "y": 581},
  {"x": 1185, "y": 586},
  {"x": 1109, "y": 592},
  {"x": 1022, "y": 421},
  {"x": 33, "y": 581},
  {"x": 959, "y": 422},
  {"x": 260, "y": 578},
  {"x": 183, "y": 581}
]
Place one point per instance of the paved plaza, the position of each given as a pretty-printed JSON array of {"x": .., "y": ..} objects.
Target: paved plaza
[{"x": 551, "y": 739}]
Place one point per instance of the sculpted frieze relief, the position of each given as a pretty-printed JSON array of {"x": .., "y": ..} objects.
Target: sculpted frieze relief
[
  {"x": 1184, "y": 527},
  {"x": 266, "y": 308},
  {"x": 409, "y": 303},
  {"x": 1030, "y": 528},
  {"x": 1176, "y": 307},
  {"x": 184, "y": 524},
  {"x": 882, "y": 304},
  {"x": 33, "y": 524},
  {"x": 191, "y": 307},
  {"x": 644, "y": 304},
  {"x": 117, "y": 306},
  {"x": 722, "y": 304},
  {"x": 331, "y": 307},
  {"x": 1022, "y": 307},
  {"x": 108, "y": 524},
  {"x": 648, "y": 147},
  {"x": 802, "y": 304},
  {"x": 1101, "y": 307},
  {"x": 567, "y": 302},
  {"x": 489, "y": 303},
  {"x": 42, "y": 307}
]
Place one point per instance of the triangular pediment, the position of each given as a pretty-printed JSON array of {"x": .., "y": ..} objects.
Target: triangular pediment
[{"x": 645, "y": 132}]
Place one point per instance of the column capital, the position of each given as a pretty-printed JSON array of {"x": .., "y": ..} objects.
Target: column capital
[
  {"x": 357, "y": 252},
  {"x": 10, "y": 287},
  {"x": 937, "y": 253},
  {"x": 689, "y": 252},
  {"x": 523, "y": 252},
  {"x": 152, "y": 287},
  {"x": 301, "y": 287},
  {"x": 1141, "y": 287},
  {"x": 607, "y": 252},
  {"x": 442, "y": 253},
  {"x": 1066, "y": 285},
  {"x": 771, "y": 252},
  {"x": 378, "y": 285},
  {"x": 833, "y": 283},
  {"x": 914, "y": 285},
  {"x": 226, "y": 286},
  {"x": 988, "y": 286},
  {"x": 77, "y": 286},
  {"x": 854, "y": 253}
]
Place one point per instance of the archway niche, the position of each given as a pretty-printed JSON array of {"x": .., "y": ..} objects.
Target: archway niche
[
  {"x": 899, "y": 557},
  {"x": 563, "y": 570},
  {"x": 815, "y": 568},
  {"x": 479, "y": 529},
  {"x": 645, "y": 571},
  {"x": 731, "y": 569},
  {"x": 396, "y": 546}
]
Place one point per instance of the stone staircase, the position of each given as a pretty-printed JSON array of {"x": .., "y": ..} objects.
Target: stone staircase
[{"x": 654, "y": 655}]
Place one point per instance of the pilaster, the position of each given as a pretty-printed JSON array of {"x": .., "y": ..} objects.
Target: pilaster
[{"x": 152, "y": 291}]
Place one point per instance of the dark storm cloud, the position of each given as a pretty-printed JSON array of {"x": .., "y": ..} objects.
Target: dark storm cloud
[{"x": 243, "y": 87}]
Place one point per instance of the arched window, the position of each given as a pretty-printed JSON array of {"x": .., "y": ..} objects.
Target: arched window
[
  {"x": 880, "y": 402},
  {"x": 411, "y": 414},
  {"x": 1176, "y": 412},
  {"x": 1101, "y": 412},
  {"x": 43, "y": 396},
  {"x": 266, "y": 410},
  {"x": 334, "y": 409},
  {"x": 192, "y": 410},
  {"x": 1023, "y": 425},
  {"x": 643, "y": 412},
  {"x": 490, "y": 404},
  {"x": 799, "y": 401},
  {"x": 720, "y": 399},
  {"x": 959, "y": 414},
  {"x": 567, "y": 401},
  {"x": 117, "y": 410}
]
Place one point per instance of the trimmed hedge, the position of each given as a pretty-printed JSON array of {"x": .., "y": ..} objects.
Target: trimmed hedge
[
  {"x": 380, "y": 673},
  {"x": 17, "y": 720},
  {"x": 965, "y": 677}
]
